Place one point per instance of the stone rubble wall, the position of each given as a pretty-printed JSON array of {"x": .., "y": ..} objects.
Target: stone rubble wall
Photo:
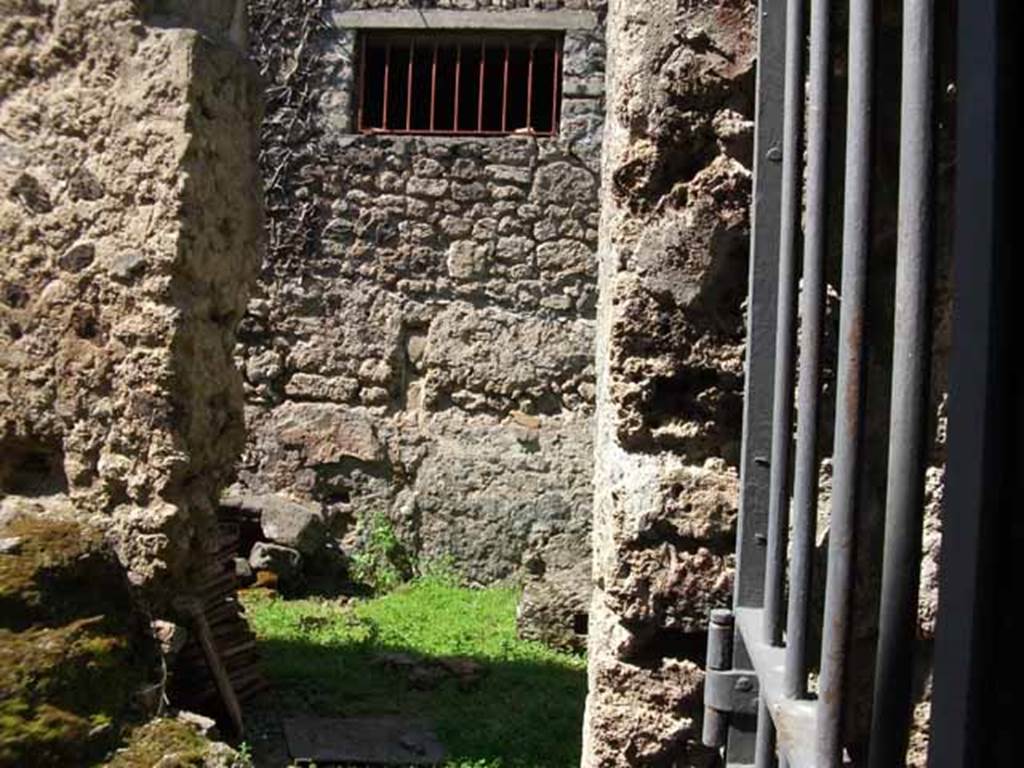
[
  {"x": 421, "y": 345},
  {"x": 131, "y": 226},
  {"x": 673, "y": 269}
]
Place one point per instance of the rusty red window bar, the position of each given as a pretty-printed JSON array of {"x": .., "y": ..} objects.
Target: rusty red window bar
[{"x": 453, "y": 84}]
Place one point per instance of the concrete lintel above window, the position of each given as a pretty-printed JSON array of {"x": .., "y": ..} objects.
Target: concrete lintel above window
[{"x": 531, "y": 20}]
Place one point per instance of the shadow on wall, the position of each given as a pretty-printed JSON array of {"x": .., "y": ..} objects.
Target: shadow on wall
[
  {"x": 32, "y": 468},
  {"x": 505, "y": 713}
]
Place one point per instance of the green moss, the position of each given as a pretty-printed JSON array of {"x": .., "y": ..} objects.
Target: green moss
[
  {"x": 60, "y": 572},
  {"x": 72, "y": 655},
  {"x": 170, "y": 741},
  {"x": 63, "y": 689}
]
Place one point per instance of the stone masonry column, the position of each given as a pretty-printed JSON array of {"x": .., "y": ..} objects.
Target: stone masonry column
[
  {"x": 673, "y": 263},
  {"x": 131, "y": 228}
]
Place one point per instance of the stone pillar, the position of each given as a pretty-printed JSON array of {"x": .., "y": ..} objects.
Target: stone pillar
[
  {"x": 673, "y": 264},
  {"x": 131, "y": 223}
]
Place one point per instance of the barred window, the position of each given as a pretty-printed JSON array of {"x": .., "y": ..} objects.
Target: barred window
[{"x": 460, "y": 84}]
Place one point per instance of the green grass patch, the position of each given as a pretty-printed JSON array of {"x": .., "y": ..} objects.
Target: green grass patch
[{"x": 524, "y": 711}]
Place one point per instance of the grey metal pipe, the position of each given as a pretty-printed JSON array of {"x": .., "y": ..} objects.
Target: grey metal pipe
[
  {"x": 850, "y": 386},
  {"x": 890, "y": 725},
  {"x": 782, "y": 405},
  {"x": 812, "y": 309}
]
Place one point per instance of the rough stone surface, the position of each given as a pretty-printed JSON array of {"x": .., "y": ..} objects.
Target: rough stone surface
[
  {"x": 284, "y": 562},
  {"x": 422, "y": 343},
  {"x": 130, "y": 233},
  {"x": 555, "y": 608},
  {"x": 283, "y": 521},
  {"x": 673, "y": 254}
]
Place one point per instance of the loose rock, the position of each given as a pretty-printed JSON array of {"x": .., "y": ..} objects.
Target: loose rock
[{"x": 284, "y": 562}]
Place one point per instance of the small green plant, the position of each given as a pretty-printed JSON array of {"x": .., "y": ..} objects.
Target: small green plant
[
  {"x": 384, "y": 562},
  {"x": 245, "y": 753},
  {"x": 441, "y": 570}
]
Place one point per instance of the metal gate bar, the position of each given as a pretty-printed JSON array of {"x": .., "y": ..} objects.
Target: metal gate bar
[
  {"x": 785, "y": 323},
  {"x": 792, "y": 729},
  {"x": 910, "y": 377},
  {"x": 762, "y": 297},
  {"x": 850, "y": 383},
  {"x": 812, "y": 310},
  {"x": 759, "y": 360},
  {"x": 782, "y": 401}
]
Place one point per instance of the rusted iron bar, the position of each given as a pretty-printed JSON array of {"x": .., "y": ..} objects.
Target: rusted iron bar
[
  {"x": 555, "y": 85},
  {"x": 360, "y": 119},
  {"x": 408, "y": 86},
  {"x": 812, "y": 309},
  {"x": 458, "y": 86},
  {"x": 890, "y": 727},
  {"x": 480, "y": 93},
  {"x": 419, "y": 132},
  {"x": 433, "y": 88},
  {"x": 392, "y": 119},
  {"x": 850, "y": 386},
  {"x": 504, "y": 93},
  {"x": 529, "y": 87},
  {"x": 387, "y": 84}
]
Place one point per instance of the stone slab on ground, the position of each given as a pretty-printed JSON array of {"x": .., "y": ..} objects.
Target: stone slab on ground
[{"x": 363, "y": 741}]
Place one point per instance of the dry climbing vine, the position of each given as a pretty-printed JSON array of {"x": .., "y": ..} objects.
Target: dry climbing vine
[{"x": 285, "y": 44}]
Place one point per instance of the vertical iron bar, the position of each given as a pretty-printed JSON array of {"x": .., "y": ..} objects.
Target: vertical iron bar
[
  {"x": 760, "y": 346},
  {"x": 529, "y": 88},
  {"x": 408, "y": 86},
  {"x": 557, "y": 75},
  {"x": 433, "y": 88},
  {"x": 360, "y": 116},
  {"x": 480, "y": 94},
  {"x": 977, "y": 501},
  {"x": 890, "y": 725},
  {"x": 761, "y": 300},
  {"x": 782, "y": 405},
  {"x": 812, "y": 308},
  {"x": 458, "y": 86},
  {"x": 504, "y": 94},
  {"x": 850, "y": 385},
  {"x": 387, "y": 82}
]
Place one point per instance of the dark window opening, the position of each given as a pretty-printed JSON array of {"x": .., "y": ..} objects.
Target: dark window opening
[
  {"x": 580, "y": 623},
  {"x": 459, "y": 84}
]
